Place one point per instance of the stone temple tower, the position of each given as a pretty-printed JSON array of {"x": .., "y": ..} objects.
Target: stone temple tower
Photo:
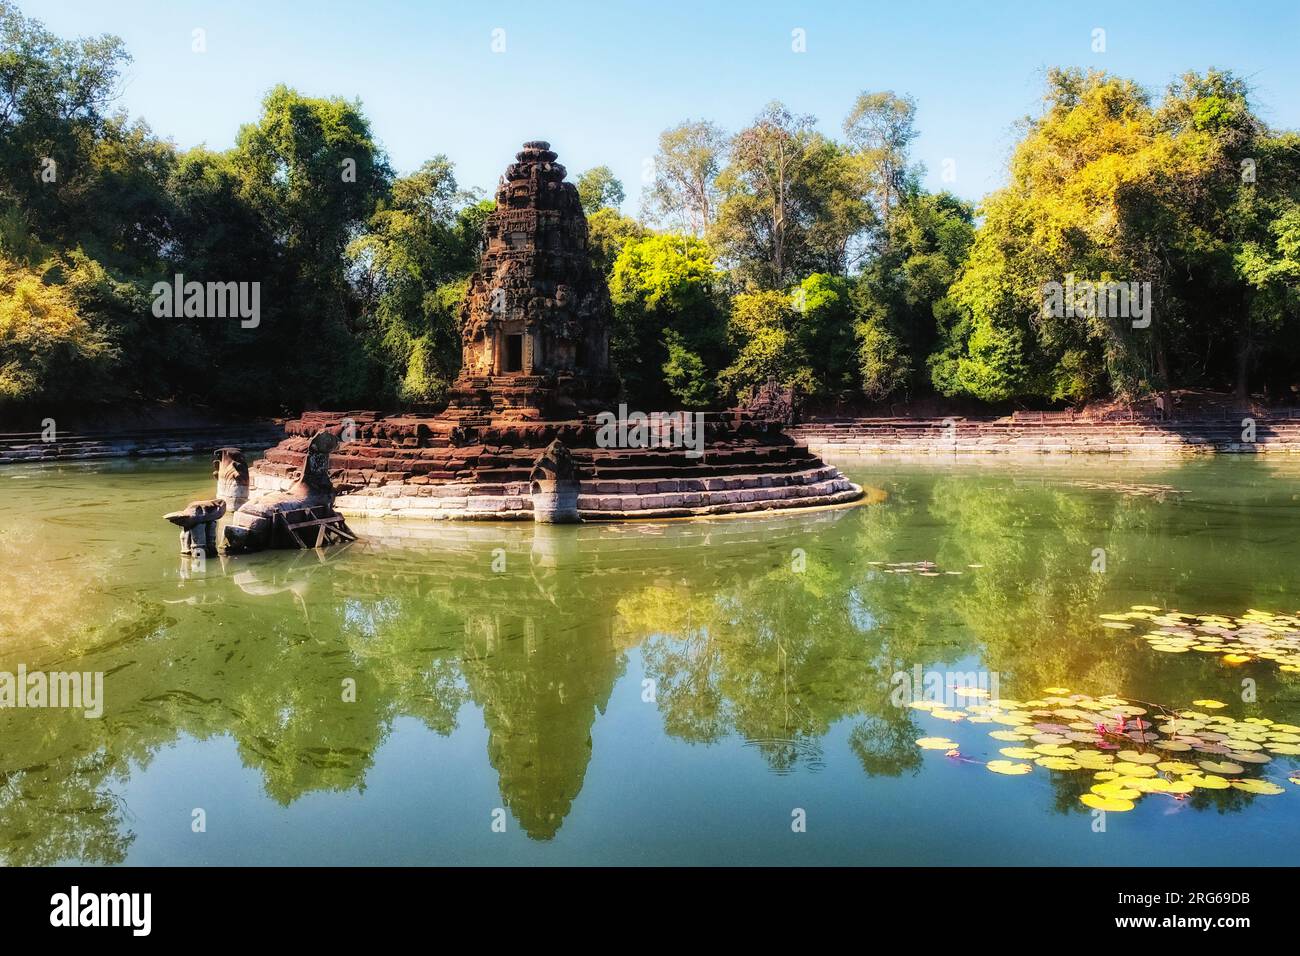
[{"x": 535, "y": 324}]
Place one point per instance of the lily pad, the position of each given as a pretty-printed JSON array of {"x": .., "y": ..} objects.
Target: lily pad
[
  {"x": 1109, "y": 804},
  {"x": 1009, "y": 768}
]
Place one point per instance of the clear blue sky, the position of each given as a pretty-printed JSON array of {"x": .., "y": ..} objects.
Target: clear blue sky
[{"x": 601, "y": 79}]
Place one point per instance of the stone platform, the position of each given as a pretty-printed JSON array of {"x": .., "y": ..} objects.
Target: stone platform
[{"x": 440, "y": 468}]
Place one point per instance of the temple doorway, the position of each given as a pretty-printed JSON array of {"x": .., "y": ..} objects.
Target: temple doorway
[{"x": 514, "y": 357}]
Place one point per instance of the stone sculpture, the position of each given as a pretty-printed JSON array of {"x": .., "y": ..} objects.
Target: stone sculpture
[
  {"x": 554, "y": 486},
  {"x": 772, "y": 403},
  {"x": 198, "y": 524},
  {"x": 297, "y": 517},
  {"x": 231, "y": 471}
]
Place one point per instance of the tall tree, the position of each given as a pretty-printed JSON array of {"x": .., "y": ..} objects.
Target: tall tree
[
  {"x": 1232, "y": 261},
  {"x": 54, "y": 98},
  {"x": 409, "y": 268},
  {"x": 760, "y": 218},
  {"x": 900, "y": 293},
  {"x": 1102, "y": 189},
  {"x": 879, "y": 128},
  {"x": 684, "y": 193},
  {"x": 790, "y": 203},
  {"x": 312, "y": 171}
]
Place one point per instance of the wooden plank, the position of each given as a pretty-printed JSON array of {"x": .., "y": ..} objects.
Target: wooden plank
[
  {"x": 312, "y": 523},
  {"x": 292, "y": 531}
]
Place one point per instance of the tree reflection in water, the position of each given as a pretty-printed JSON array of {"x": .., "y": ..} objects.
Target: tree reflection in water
[{"x": 774, "y": 629}]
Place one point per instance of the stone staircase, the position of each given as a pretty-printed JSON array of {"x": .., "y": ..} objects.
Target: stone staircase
[
  {"x": 1046, "y": 432},
  {"x": 758, "y": 473}
]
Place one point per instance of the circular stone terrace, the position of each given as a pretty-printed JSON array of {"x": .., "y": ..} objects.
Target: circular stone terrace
[{"x": 439, "y": 468}]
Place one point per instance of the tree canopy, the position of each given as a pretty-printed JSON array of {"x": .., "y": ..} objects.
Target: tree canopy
[{"x": 775, "y": 251}]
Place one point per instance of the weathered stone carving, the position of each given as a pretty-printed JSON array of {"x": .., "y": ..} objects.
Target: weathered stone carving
[
  {"x": 301, "y": 517},
  {"x": 555, "y": 463},
  {"x": 231, "y": 471},
  {"x": 198, "y": 524},
  {"x": 535, "y": 323},
  {"x": 772, "y": 403},
  {"x": 554, "y": 485}
]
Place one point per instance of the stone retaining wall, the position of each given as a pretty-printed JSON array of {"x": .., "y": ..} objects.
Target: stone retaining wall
[
  {"x": 17, "y": 447},
  {"x": 1048, "y": 436}
]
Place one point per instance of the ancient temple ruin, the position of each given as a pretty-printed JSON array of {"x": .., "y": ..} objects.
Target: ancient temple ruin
[
  {"x": 521, "y": 437},
  {"x": 535, "y": 323}
]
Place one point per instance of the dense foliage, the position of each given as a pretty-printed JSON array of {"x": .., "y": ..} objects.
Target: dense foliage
[{"x": 776, "y": 252}]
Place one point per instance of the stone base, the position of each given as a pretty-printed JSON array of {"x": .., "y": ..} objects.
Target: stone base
[
  {"x": 428, "y": 468},
  {"x": 555, "y": 501}
]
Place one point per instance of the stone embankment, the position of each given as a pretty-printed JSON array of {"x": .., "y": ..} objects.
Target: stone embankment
[
  {"x": 17, "y": 447},
  {"x": 1278, "y": 432}
]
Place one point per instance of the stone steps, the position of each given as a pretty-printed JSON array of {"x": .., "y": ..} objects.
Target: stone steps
[
  {"x": 599, "y": 499},
  {"x": 1048, "y": 436},
  {"x": 375, "y": 465},
  {"x": 428, "y": 468},
  {"x": 591, "y": 487},
  {"x": 19, "y": 448},
  {"x": 710, "y": 498}
]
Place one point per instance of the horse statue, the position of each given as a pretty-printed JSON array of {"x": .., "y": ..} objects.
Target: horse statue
[
  {"x": 198, "y": 524},
  {"x": 293, "y": 518}
]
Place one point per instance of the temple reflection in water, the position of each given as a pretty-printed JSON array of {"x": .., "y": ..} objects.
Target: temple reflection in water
[{"x": 770, "y": 632}]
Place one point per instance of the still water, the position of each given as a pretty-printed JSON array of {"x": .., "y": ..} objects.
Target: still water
[{"x": 675, "y": 692}]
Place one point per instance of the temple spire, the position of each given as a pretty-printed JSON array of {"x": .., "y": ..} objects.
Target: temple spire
[{"x": 535, "y": 323}]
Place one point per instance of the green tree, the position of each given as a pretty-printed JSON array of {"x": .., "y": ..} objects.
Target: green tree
[
  {"x": 48, "y": 350},
  {"x": 1231, "y": 257},
  {"x": 598, "y": 188},
  {"x": 409, "y": 269},
  {"x": 669, "y": 320},
  {"x": 312, "y": 172},
  {"x": 54, "y": 99},
  {"x": 791, "y": 202},
  {"x": 824, "y": 335},
  {"x": 684, "y": 194},
  {"x": 879, "y": 128},
  {"x": 608, "y": 231},
  {"x": 901, "y": 290},
  {"x": 1103, "y": 187},
  {"x": 762, "y": 333}
]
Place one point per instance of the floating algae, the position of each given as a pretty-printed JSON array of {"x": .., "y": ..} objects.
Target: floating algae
[
  {"x": 1130, "y": 489},
  {"x": 926, "y": 569},
  {"x": 1131, "y": 749}
]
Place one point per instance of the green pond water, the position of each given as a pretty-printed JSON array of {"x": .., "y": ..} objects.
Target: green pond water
[{"x": 675, "y": 692}]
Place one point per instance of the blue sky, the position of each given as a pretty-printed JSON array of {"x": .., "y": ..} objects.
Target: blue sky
[{"x": 601, "y": 80}]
